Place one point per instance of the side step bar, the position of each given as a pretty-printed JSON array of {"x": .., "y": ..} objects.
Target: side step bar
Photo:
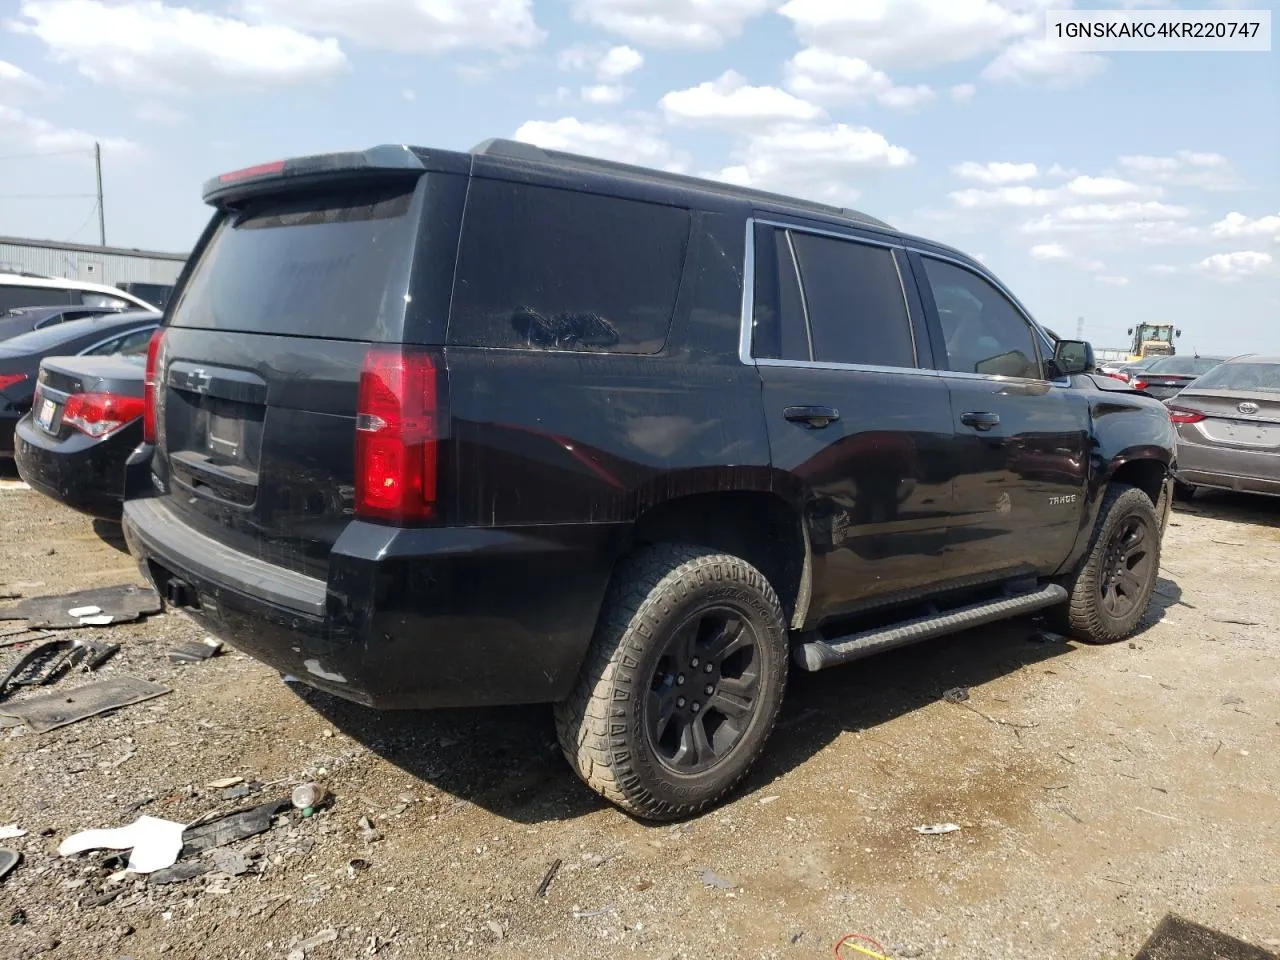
[{"x": 819, "y": 654}]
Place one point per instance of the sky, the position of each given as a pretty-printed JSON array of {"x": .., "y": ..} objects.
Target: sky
[{"x": 1117, "y": 188}]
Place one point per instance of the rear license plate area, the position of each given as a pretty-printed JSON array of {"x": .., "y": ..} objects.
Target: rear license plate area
[{"x": 46, "y": 411}]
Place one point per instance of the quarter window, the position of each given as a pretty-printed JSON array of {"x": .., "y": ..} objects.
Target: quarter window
[{"x": 984, "y": 332}]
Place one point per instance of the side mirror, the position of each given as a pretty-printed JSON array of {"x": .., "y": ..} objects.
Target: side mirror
[
  {"x": 1131, "y": 331},
  {"x": 1178, "y": 332},
  {"x": 1071, "y": 357}
]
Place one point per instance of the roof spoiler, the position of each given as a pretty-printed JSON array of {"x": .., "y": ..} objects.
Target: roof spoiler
[{"x": 299, "y": 172}]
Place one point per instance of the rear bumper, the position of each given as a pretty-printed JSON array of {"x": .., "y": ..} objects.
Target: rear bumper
[
  {"x": 84, "y": 473},
  {"x": 409, "y": 618},
  {"x": 1228, "y": 468}
]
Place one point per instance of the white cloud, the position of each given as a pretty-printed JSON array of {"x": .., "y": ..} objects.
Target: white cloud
[
  {"x": 416, "y": 26},
  {"x": 1036, "y": 60},
  {"x": 1050, "y": 252},
  {"x": 996, "y": 172},
  {"x": 915, "y": 33},
  {"x": 23, "y": 132},
  {"x": 608, "y": 141},
  {"x": 671, "y": 23},
  {"x": 1114, "y": 280},
  {"x": 963, "y": 92},
  {"x": 1057, "y": 253},
  {"x": 1163, "y": 269},
  {"x": 731, "y": 101},
  {"x": 1019, "y": 196},
  {"x": 1235, "y": 266},
  {"x": 1058, "y": 170},
  {"x": 153, "y": 111},
  {"x": 609, "y": 64},
  {"x": 605, "y": 93},
  {"x": 1238, "y": 225},
  {"x": 1188, "y": 168},
  {"x": 150, "y": 46},
  {"x": 619, "y": 62},
  {"x": 16, "y": 84},
  {"x": 827, "y": 77},
  {"x": 814, "y": 162},
  {"x": 1108, "y": 187}
]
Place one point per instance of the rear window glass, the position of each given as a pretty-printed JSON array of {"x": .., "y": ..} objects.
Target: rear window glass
[
  {"x": 1184, "y": 366},
  {"x": 1242, "y": 376},
  {"x": 553, "y": 269},
  {"x": 49, "y": 338},
  {"x": 315, "y": 267},
  {"x": 24, "y": 296}
]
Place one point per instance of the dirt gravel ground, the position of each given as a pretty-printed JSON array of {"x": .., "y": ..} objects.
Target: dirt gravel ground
[{"x": 1096, "y": 789}]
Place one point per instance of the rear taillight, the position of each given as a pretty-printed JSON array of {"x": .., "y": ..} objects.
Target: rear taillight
[
  {"x": 397, "y": 436},
  {"x": 1138, "y": 383},
  {"x": 1184, "y": 414},
  {"x": 149, "y": 383},
  {"x": 8, "y": 380},
  {"x": 1118, "y": 376},
  {"x": 100, "y": 414},
  {"x": 248, "y": 173}
]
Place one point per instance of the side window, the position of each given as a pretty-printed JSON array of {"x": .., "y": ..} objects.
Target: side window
[
  {"x": 550, "y": 269},
  {"x": 779, "y": 328},
  {"x": 23, "y": 296},
  {"x": 129, "y": 343},
  {"x": 984, "y": 332},
  {"x": 853, "y": 296}
]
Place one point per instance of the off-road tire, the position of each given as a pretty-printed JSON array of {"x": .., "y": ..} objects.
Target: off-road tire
[
  {"x": 1084, "y": 616},
  {"x": 601, "y": 725}
]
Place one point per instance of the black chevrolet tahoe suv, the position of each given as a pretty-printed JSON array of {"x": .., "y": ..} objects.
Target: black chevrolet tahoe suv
[{"x": 432, "y": 429}]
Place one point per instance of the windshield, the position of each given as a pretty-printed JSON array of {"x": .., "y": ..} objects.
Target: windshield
[
  {"x": 1249, "y": 377},
  {"x": 1185, "y": 366}
]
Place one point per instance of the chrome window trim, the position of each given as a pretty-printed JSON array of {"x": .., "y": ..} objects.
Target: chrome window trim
[{"x": 746, "y": 331}]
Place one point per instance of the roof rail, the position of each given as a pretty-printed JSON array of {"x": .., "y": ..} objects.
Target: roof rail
[{"x": 529, "y": 153}]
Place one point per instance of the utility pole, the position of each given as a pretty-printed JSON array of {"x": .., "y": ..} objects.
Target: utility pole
[
  {"x": 102, "y": 216},
  {"x": 1080, "y": 328}
]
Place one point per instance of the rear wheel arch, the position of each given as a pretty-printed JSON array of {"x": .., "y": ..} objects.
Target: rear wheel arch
[{"x": 759, "y": 527}]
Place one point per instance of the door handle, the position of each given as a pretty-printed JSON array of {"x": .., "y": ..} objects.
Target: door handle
[
  {"x": 815, "y": 418},
  {"x": 980, "y": 421}
]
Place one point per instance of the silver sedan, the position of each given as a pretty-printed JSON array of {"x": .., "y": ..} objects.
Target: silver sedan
[{"x": 1228, "y": 428}]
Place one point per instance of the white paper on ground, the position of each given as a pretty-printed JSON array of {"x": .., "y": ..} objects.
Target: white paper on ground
[
  {"x": 84, "y": 611},
  {"x": 155, "y": 843},
  {"x": 12, "y": 832}
]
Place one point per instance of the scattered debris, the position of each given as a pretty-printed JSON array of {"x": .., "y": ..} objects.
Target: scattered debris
[
  {"x": 154, "y": 843},
  {"x": 229, "y": 829},
  {"x": 12, "y": 832},
  {"x": 933, "y": 829},
  {"x": 1163, "y": 816},
  {"x": 237, "y": 792},
  {"x": 1232, "y": 619},
  {"x": 122, "y": 603},
  {"x": 358, "y": 865},
  {"x": 368, "y": 832},
  {"x": 956, "y": 695},
  {"x": 1068, "y": 813},
  {"x": 224, "y": 783},
  {"x": 47, "y": 663},
  {"x": 54, "y": 710},
  {"x": 320, "y": 939},
  {"x": 550, "y": 875},
  {"x": 89, "y": 611},
  {"x": 231, "y": 862},
  {"x": 767, "y": 800},
  {"x": 592, "y": 914},
  {"x": 8, "y": 860},
  {"x": 180, "y": 872},
  {"x": 712, "y": 879},
  {"x": 496, "y": 929},
  {"x": 307, "y": 797},
  {"x": 18, "y": 917},
  {"x": 1046, "y": 636},
  {"x": 195, "y": 651},
  {"x": 851, "y": 941}
]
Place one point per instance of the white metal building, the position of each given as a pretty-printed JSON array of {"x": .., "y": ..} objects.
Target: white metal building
[{"x": 77, "y": 261}]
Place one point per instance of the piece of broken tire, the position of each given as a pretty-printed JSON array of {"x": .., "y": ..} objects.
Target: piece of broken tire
[
  {"x": 233, "y": 827},
  {"x": 121, "y": 603}
]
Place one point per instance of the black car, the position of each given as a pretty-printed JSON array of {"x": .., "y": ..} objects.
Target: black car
[
  {"x": 437, "y": 429},
  {"x": 20, "y": 357},
  {"x": 157, "y": 294},
  {"x": 25, "y": 319},
  {"x": 1169, "y": 375},
  {"x": 85, "y": 421}
]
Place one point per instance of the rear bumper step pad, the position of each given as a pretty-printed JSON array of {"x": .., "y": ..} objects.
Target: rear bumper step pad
[{"x": 820, "y": 654}]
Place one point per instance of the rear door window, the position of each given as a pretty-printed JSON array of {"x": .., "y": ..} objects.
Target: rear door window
[
  {"x": 855, "y": 302},
  {"x": 780, "y": 327},
  {"x": 313, "y": 267},
  {"x": 550, "y": 269}
]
